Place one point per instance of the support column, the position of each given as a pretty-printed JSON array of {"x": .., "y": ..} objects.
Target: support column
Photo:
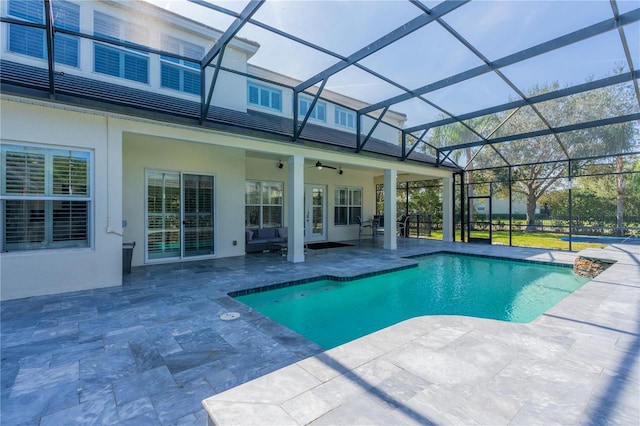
[
  {"x": 447, "y": 209},
  {"x": 114, "y": 180},
  {"x": 295, "y": 208},
  {"x": 390, "y": 209}
]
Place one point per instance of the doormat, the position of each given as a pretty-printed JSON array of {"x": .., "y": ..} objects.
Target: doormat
[{"x": 317, "y": 246}]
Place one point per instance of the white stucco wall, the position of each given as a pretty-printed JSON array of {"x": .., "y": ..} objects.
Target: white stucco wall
[
  {"x": 267, "y": 170},
  {"x": 231, "y": 89},
  {"x": 501, "y": 205},
  {"x": 143, "y": 152},
  {"x": 383, "y": 131},
  {"x": 123, "y": 147},
  {"x": 37, "y": 272}
]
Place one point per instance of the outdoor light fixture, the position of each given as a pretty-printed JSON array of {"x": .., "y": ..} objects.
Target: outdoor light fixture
[
  {"x": 321, "y": 166},
  {"x": 280, "y": 165}
]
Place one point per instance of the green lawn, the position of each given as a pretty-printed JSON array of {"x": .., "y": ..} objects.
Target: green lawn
[{"x": 521, "y": 239}]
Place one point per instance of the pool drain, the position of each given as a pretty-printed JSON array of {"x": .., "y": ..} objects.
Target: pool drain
[{"x": 228, "y": 316}]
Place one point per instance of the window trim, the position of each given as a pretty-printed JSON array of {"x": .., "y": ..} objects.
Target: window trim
[
  {"x": 182, "y": 255},
  {"x": 347, "y": 113},
  {"x": 261, "y": 205},
  {"x": 60, "y": 4},
  {"x": 314, "y": 113},
  {"x": 123, "y": 52},
  {"x": 182, "y": 70},
  {"x": 260, "y": 88},
  {"x": 49, "y": 197},
  {"x": 349, "y": 205},
  {"x": 180, "y": 65}
]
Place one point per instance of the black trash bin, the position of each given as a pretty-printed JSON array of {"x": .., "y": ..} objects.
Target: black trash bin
[{"x": 127, "y": 254}]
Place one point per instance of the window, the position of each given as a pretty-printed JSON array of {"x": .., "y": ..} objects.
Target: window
[
  {"x": 46, "y": 198},
  {"x": 32, "y": 41},
  {"x": 263, "y": 204},
  {"x": 319, "y": 112},
  {"x": 345, "y": 118},
  {"x": 264, "y": 96},
  {"x": 178, "y": 74},
  {"x": 117, "y": 61},
  {"x": 348, "y": 205}
]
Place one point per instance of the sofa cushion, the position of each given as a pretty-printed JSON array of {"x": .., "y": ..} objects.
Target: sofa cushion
[
  {"x": 267, "y": 233},
  {"x": 248, "y": 235},
  {"x": 273, "y": 240}
]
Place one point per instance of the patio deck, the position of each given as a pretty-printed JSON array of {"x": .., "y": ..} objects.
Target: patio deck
[{"x": 150, "y": 351}]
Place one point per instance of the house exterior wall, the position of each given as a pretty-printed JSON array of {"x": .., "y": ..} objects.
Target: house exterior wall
[
  {"x": 266, "y": 170},
  {"x": 231, "y": 89},
  {"x": 383, "y": 131},
  {"x": 36, "y": 272},
  {"x": 144, "y": 152},
  {"x": 501, "y": 205},
  {"x": 123, "y": 147}
]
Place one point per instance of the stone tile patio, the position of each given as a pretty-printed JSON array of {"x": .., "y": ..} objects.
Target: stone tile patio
[
  {"x": 577, "y": 364},
  {"x": 150, "y": 351}
]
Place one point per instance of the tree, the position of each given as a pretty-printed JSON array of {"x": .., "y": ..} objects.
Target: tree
[
  {"x": 458, "y": 133},
  {"x": 425, "y": 197},
  {"x": 614, "y": 139},
  {"x": 536, "y": 172},
  {"x": 539, "y": 163}
]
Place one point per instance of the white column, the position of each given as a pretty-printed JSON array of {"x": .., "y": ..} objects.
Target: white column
[
  {"x": 390, "y": 211},
  {"x": 114, "y": 180},
  {"x": 295, "y": 208},
  {"x": 109, "y": 247},
  {"x": 447, "y": 209}
]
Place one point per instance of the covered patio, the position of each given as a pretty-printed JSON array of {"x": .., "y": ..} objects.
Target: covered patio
[{"x": 150, "y": 351}]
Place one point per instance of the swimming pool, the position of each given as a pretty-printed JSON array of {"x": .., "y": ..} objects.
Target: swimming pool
[
  {"x": 601, "y": 239},
  {"x": 331, "y": 313}
]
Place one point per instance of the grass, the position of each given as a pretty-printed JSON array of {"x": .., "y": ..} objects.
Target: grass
[{"x": 533, "y": 239}]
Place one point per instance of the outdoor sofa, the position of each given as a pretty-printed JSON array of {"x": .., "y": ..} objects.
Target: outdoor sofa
[{"x": 260, "y": 239}]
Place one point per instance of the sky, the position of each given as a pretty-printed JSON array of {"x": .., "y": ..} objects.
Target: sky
[{"x": 496, "y": 28}]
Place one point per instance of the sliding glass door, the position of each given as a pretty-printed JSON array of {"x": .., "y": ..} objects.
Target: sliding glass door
[
  {"x": 180, "y": 215},
  {"x": 198, "y": 215},
  {"x": 163, "y": 215}
]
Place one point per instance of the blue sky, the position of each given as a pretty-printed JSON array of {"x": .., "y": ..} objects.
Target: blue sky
[{"x": 495, "y": 28}]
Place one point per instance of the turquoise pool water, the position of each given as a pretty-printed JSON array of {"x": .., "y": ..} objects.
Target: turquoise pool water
[{"x": 331, "y": 313}]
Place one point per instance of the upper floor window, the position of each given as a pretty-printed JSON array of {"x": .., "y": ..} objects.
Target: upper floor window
[
  {"x": 319, "y": 111},
  {"x": 179, "y": 74},
  {"x": 348, "y": 205},
  {"x": 345, "y": 118},
  {"x": 32, "y": 41},
  {"x": 264, "y": 96},
  {"x": 46, "y": 198},
  {"x": 117, "y": 61}
]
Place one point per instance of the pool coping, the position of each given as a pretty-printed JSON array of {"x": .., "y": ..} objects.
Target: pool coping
[
  {"x": 577, "y": 363},
  {"x": 329, "y": 277},
  {"x": 293, "y": 283}
]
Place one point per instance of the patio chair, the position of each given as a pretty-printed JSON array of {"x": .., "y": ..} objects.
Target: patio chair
[
  {"x": 378, "y": 225},
  {"x": 362, "y": 227},
  {"x": 403, "y": 226}
]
